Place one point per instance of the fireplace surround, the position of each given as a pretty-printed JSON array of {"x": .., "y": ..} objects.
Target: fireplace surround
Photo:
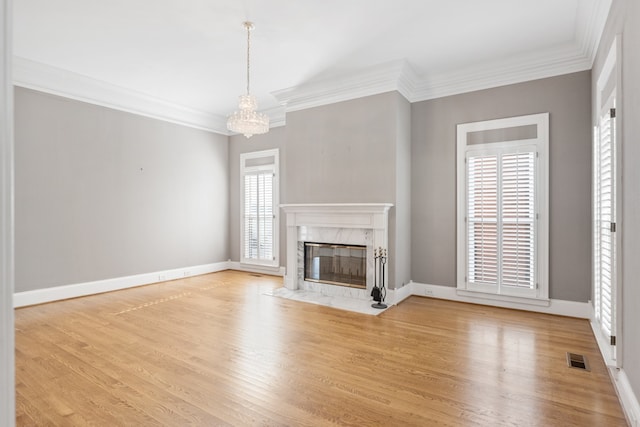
[{"x": 351, "y": 224}]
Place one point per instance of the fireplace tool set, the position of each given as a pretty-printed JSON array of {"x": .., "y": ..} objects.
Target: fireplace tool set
[{"x": 379, "y": 292}]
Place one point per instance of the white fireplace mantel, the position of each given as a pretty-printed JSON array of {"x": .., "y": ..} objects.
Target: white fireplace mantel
[
  {"x": 373, "y": 217},
  {"x": 338, "y": 215}
]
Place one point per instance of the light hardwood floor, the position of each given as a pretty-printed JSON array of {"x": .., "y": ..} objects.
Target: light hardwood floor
[{"x": 215, "y": 350}]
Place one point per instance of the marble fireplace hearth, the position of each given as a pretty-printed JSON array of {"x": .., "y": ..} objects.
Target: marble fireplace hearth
[{"x": 343, "y": 303}]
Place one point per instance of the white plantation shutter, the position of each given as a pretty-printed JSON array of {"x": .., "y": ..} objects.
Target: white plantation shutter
[
  {"x": 518, "y": 219},
  {"x": 605, "y": 243},
  {"x": 483, "y": 219},
  {"x": 259, "y": 208},
  {"x": 258, "y": 216},
  {"x": 265, "y": 216},
  {"x": 251, "y": 216},
  {"x": 501, "y": 219}
]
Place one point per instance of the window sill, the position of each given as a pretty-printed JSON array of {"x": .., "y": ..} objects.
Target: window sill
[
  {"x": 249, "y": 263},
  {"x": 542, "y": 302},
  {"x": 274, "y": 270}
]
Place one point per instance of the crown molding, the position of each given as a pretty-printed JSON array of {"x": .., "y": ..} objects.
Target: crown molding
[
  {"x": 563, "y": 60},
  {"x": 377, "y": 79},
  {"x": 400, "y": 76},
  {"x": 45, "y": 78},
  {"x": 277, "y": 116},
  {"x": 591, "y": 18}
]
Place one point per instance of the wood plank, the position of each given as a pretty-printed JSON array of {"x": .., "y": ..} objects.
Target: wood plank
[{"x": 217, "y": 350}]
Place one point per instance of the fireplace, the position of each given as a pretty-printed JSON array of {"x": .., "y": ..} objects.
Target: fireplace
[
  {"x": 358, "y": 225},
  {"x": 336, "y": 264}
]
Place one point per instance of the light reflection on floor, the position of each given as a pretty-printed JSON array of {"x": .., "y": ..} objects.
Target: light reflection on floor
[{"x": 503, "y": 356}]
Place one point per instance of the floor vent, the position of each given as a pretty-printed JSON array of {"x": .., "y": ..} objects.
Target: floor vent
[{"x": 577, "y": 361}]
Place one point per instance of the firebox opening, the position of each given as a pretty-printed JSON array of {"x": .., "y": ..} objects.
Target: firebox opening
[{"x": 344, "y": 265}]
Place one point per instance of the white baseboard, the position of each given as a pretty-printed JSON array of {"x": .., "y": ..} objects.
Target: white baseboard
[
  {"x": 558, "y": 307},
  {"x": 400, "y": 294},
  {"x": 261, "y": 269},
  {"x": 40, "y": 296},
  {"x": 627, "y": 397}
]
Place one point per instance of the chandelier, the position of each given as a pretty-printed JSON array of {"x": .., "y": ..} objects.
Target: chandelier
[{"x": 247, "y": 120}]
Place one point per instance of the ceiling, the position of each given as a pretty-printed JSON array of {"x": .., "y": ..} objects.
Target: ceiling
[{"x": 184, "y": 61}]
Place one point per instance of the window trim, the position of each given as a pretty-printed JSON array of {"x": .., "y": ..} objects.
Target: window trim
[
  {"x": 541, "y": 293},
  {"x": 244, "y": 170}
]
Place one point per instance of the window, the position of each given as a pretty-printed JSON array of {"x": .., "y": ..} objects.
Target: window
[
  {"x": 606, "y": 215},
  {"x": 502, "y": 207},
  {"x": 259, "y": 207},
  {"x": 604, "y": 219}
]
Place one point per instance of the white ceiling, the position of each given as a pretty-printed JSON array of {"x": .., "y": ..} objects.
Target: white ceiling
[{"x": 184, "y": 60}]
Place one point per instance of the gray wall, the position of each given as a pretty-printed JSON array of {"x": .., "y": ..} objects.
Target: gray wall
[
  {"x": 102, "y": 193},
  {"x": 355, "y": 151},
  {"x": 402, "y": 243},
  {"x": 343, "y": 152},
  {"x": 347, "y": 153},
  {"x": 568, "y": 100},
  {"x": 624, "y": 19}
]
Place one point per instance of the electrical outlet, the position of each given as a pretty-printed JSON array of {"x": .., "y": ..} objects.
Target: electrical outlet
[
  {"x": 187, "y": 274},
  {"x": 428, "y": 292}
]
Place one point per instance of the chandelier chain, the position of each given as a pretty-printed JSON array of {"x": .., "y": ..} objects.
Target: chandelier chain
[{"x": 248, "y": 25}]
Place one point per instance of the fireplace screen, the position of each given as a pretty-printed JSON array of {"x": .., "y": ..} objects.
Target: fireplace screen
[{"x": 344, "y": 265}]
